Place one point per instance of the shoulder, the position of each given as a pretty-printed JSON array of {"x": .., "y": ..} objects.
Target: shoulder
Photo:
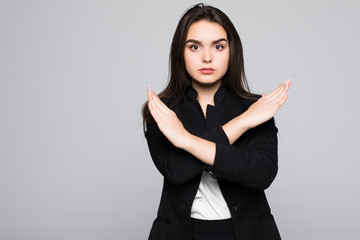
[
  {"x": 171, "y": 101},
  {"x": 248, "y": 100},
  {"x": 242, "y": 101}
]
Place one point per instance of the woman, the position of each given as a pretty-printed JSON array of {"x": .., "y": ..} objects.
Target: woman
[{"x": 214, "y": 142}]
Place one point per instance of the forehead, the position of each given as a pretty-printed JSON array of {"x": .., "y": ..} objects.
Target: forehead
[{"x": 206, "y": 31}]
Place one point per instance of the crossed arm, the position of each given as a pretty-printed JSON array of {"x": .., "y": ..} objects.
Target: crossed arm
[{"x": 172, "y": 128}]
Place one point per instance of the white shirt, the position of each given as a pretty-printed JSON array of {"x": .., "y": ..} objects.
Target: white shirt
[{"x": 209, "y": 203}]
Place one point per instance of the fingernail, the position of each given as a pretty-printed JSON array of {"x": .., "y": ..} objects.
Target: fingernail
[{"x": 149, "y": 88}]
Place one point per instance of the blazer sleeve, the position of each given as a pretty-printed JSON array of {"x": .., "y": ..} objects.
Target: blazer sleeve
[
  {"x": 175, "y": 164},
  {"x": 252, "y": 163}
]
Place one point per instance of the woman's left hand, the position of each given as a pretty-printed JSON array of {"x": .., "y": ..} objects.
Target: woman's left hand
[{"x": 167, "y": 121}]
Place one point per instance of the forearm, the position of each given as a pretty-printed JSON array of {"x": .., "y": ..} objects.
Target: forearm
[
  {"x": 205, "y": 150},
  {"x": 236, "y": 127},
  {"x": 202, "y": 149},
  {"x": 251, "y": 162}
]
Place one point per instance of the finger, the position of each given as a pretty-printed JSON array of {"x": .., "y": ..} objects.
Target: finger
[
  {"x": 149, "y": 91},
  {"x": 151, "y": 109},
  {"x": 282, "y": 91},
  {"x": 282, "y": 101},
  {"x": 279, "y": 88},
  {"x": 277, "y": 97},
  {"x": 160, "y": 104},
  {"x": 288, "y": 85},
  {"x": 151, "y": 104},
  {"x": 154, "y": 112},
  {"x": 281, "y": 98},
  {"x": 153, "y": 98},
  {"x": 276, "y": 90}
]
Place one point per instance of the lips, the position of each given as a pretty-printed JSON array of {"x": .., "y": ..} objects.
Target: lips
[{"x": 206, "y": 70}]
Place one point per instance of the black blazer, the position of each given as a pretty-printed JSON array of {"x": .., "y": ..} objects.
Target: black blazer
[{"x": 244, "y": 170}]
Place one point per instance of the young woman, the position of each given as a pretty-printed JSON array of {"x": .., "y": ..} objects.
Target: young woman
[{"x": 214, "y": 142}]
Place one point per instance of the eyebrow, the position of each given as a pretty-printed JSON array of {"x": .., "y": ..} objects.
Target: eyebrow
[{"x": 198, "y": 42}]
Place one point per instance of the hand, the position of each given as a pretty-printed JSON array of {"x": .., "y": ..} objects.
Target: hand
[
  {"x": 266, "y": 106},
  {"x": 167, "y": 121}
]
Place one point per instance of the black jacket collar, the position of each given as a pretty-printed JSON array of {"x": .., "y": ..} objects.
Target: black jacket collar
[{"x": 219, "y": 95}]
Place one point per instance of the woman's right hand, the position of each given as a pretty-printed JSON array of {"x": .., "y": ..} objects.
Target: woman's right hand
[
  {"x": 167, "y": 121},
  {"x": 266, "y": 106}
]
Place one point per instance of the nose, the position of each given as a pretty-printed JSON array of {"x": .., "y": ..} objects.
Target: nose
[{"x": 207, "y": 58}]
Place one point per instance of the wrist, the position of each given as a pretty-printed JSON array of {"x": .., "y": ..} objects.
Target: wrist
[
  {"x": 202, "y": 149},
  {"x": 245, "y": 121},
  {"x": 186, "y": 141},
  {"x": 242, "y": 122},
  {"x": 236, "y": 127}
]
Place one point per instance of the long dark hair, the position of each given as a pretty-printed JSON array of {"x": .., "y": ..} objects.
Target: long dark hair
[{"x": 234, "y": 79}]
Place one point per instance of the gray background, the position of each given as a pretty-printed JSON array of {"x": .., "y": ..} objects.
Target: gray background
[{"x": 74, "y": 163}]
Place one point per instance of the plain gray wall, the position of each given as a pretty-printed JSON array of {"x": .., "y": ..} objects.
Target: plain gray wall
[{"x": 74, "y": 163}]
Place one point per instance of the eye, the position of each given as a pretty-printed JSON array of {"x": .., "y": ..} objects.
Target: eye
[
  {"x": 194, "y": 47},
  {"x": 219, "y": 47}
]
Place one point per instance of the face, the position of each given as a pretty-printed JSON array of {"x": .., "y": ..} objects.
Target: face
[{"x": 206, "y": 52}]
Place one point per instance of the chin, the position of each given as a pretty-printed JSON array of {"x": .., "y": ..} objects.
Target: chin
[{"x": 202, "y": 81}]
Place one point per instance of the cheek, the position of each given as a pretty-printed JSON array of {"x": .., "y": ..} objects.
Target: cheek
[
  {"x": 189, "y": 63},
  {"x": 224, "y": 61}
]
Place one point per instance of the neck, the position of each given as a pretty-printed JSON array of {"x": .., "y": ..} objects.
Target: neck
[{"x": 206, "y": 92}]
